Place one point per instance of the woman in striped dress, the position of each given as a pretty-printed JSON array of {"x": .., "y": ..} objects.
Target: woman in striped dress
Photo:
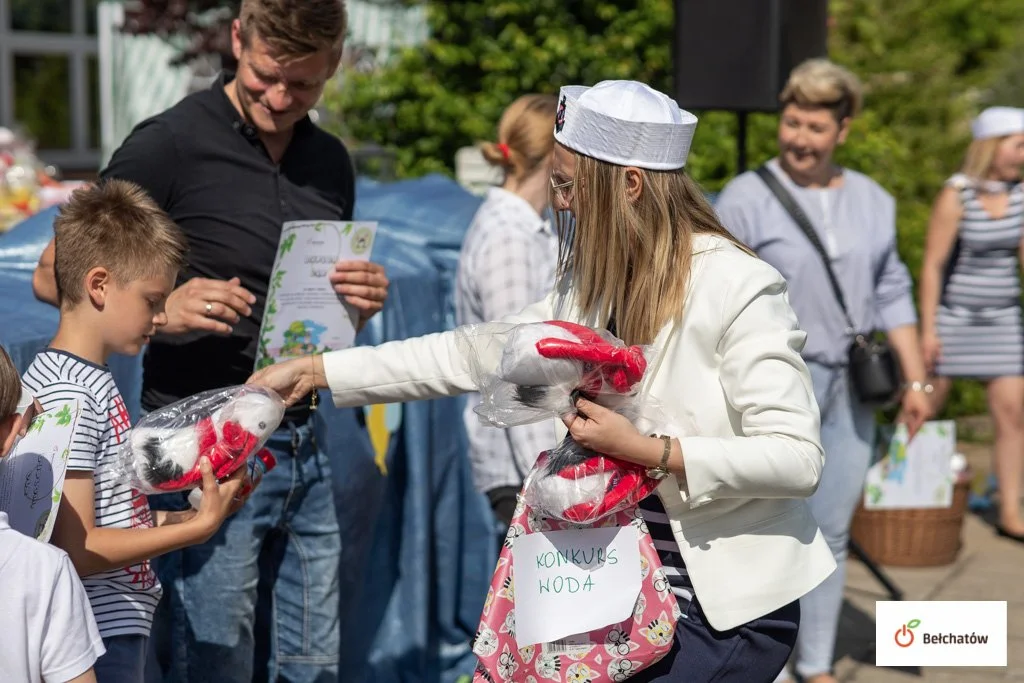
[{"x": 970, "y": 291}]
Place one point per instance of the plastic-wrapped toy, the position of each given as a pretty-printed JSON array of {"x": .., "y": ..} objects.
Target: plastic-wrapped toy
[
  {"x": 535, "y": 371},
  {"x": 163, "y": 451},
  {"x": 542, "y": 368}
]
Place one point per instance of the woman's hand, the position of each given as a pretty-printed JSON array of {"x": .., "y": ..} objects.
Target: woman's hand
[
  {"x": 605, "y": 431},
  {"x": 917, "y": 406},
  {"x": 292, "y": 379},
  {"x": 917, "y": 409},
  {"x": 931, "y": 349}
]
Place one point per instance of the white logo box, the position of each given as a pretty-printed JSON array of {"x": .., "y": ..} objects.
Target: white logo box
[{"x": 940, "y": 633}]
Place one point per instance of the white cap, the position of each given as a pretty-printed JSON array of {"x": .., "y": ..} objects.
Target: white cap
[
  {"x": 995, "y": 122},
  {"x": 625, "y": 123}
]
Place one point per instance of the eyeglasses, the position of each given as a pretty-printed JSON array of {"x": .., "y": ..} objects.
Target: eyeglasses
[{"x": 561, "y": 189}]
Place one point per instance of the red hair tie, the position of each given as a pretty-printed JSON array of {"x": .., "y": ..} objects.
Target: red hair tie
[{"x": 504, "y": 150}]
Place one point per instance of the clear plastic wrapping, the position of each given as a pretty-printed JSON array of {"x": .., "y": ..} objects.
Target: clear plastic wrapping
[
  {"x": 163, "y": 451},
  {"x": 591, "y": 487},
  {"x": 535, "y": 371}
]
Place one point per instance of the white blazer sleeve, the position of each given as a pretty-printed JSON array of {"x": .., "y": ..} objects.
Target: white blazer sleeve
[
  {"x": 431, "y": 366},
  {"x": 778, "y": 453}
]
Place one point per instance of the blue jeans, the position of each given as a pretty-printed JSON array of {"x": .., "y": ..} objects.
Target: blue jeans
[
  {"x": 259, "y": 601},
  {"x": 123, "y": 662},
  {"x": 751, "y": 653},
  {"x": 848, "y": 438}
]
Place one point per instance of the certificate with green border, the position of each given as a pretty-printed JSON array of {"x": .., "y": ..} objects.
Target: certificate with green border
[{"x": 304, "y": 315}]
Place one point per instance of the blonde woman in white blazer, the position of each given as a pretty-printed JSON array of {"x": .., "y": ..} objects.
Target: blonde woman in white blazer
[{"x": 647, "y": 256}]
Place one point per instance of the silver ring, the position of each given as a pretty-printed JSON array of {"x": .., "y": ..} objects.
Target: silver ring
[{"x": 209, "y": 308}]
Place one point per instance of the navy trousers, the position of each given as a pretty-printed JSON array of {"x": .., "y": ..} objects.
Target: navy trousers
[{"x": 752, "y": 653}]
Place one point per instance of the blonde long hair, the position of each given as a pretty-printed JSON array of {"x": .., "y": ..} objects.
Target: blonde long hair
[
  {"x": 979, "y": 156},
  {"x": 632, "y": 260},
  {"x": 524, "y": 136}
]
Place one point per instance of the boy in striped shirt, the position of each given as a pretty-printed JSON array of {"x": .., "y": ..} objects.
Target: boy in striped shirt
[{"x": 117, "y": 255}]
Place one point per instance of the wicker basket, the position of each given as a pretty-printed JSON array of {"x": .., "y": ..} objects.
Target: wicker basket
[{"x": 926, "y": 537}]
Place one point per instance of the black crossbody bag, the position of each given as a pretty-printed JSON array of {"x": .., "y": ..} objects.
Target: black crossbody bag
[{"x": 875, "y": 374}]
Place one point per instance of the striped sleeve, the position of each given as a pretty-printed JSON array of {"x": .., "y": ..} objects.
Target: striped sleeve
[
  {"x": 88, "y": 442},
  {"x": 49, "y": 383}
]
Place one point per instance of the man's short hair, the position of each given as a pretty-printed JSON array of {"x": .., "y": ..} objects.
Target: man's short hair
[
  {"x": 820, "y": 83},
  {"x": 295, "y": 28},
  {"x": 115, "y": 225}
]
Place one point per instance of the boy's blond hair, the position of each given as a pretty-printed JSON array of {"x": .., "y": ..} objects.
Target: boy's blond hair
[
  {"x": 115, "y": 225},
  {"x": 10, "y": 386}
]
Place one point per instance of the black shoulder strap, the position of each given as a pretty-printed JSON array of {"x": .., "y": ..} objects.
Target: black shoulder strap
[{"x": 800, "y": 218}]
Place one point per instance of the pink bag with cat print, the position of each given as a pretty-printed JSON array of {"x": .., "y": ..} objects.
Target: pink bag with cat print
[{"x": 612, "y": 653}]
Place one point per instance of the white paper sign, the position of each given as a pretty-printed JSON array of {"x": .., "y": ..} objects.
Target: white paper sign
[
  {"x": 571, "y": 582},
  {"x": 304, "y": 315},
  {"x": 32, "y": 474},
  {"x": 918, "y": 474}
]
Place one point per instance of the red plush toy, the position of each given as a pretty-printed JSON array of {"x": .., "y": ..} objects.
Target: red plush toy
[
  {"x": 163, "y": 451},
  {"x": 550, "y": 364}
]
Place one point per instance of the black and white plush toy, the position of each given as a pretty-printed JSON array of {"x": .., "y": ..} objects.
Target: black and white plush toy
[
  {"x": 163, "y": 451},
  {"x": 550, "y": 364}
]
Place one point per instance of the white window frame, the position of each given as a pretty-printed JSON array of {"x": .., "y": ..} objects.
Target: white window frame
[{"x": 78, "y": 47}]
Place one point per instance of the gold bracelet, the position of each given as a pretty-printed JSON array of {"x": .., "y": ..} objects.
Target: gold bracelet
[
  {"x": 661, "y": 471},
  {"x": 315, "y": 396}
]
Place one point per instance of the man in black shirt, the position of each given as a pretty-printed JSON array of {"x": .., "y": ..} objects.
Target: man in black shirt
[{"x": 230, "y": 165}]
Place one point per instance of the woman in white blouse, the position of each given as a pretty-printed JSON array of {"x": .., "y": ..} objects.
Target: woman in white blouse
[{"x": 648, "y": 253}]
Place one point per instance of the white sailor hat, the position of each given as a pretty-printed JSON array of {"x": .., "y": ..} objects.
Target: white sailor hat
[{"x": 625, "y": 123}]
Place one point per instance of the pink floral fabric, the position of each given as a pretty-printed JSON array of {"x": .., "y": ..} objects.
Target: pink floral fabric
[{"x": 612, "y": 653}]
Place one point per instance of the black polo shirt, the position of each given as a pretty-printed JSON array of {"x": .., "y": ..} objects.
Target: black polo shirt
[{"x": 208, "y": 169}]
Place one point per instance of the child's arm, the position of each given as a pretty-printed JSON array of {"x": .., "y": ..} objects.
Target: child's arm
[
  {"x": 168, "y": 517},
  {"x": 88, "y": 677},
  {"x": 97, "y": 549}
]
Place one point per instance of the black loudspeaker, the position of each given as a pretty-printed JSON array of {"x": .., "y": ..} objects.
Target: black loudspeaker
[{"x": 736, "y": 55}]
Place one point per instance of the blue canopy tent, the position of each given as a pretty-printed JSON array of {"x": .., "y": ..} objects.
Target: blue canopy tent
[{"x": 417, "y": 539}]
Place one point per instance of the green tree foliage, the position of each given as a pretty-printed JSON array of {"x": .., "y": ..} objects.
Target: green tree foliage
[
  {"x": 928, "y": 67},
  {"x": 433, "y": 100}
]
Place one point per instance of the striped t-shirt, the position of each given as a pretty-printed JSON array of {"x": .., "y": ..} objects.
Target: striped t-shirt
[{"x": 123, "y": 600}]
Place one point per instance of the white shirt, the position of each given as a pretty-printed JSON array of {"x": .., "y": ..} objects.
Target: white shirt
[
  {"x": 47, "y": 631},
  {"x": 734, "y": 390},
  {"x": 508, "y": 261}
]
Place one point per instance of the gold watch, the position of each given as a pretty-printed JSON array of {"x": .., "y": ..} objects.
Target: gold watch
[{"x": 661, "y": 471}]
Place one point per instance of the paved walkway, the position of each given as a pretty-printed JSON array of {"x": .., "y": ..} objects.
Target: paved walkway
[{"x": 988, "y": 568}]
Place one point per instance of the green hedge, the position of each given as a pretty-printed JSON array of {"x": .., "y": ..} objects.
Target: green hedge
[{"x": 928, "y": 65}]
